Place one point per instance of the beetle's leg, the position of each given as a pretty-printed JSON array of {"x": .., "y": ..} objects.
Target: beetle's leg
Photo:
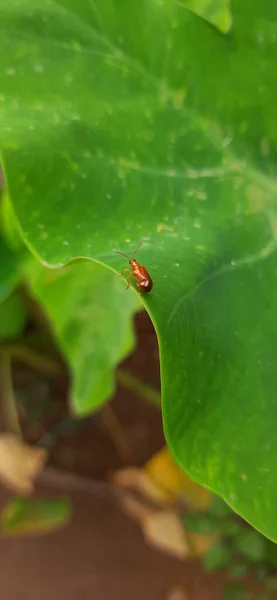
[
  {"x": 129, "y": 277},
  {"x": 139, "y": 289},
  {"x": 118, "y": 274}
]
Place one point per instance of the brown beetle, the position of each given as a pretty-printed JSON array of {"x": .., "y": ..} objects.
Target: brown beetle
[{"x": 144, "y": 281}]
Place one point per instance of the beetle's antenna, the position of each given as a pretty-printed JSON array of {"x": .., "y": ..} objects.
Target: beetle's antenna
[
  {"x": 137, "y": 249},
  {"x": 122, "y": 254}
]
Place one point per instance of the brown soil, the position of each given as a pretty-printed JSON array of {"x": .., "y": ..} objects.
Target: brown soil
[{"x": 101, "y": 555}]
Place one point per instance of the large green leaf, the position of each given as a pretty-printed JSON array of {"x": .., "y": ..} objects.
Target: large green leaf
[
  {"x": 90, "y": 315},
  {"x": 127, "y": 120}
]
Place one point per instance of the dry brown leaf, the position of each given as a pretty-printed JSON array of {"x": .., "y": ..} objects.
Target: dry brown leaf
[
  {"x": 161, "y": 480},
  {"x": 162, "y": 528},
  {"x": 164, "y": 531},
  {"x": 138, "y": 479},
  {"x": 175, "y": 484},
  {"x": 177, "y": 594},
  {"x": 19, "y": 463},
  {"x": 165, "y": 485},
  {"x": 135, "y": 508},
  {"x": 182, "y": 544}
]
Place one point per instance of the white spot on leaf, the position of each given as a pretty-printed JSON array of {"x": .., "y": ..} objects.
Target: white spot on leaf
[
  {"x": 39, "y": 68},
  {"x": 10, "y": 71}
]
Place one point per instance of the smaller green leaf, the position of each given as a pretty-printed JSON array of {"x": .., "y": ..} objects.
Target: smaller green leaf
[
  {"x": 9, "y": 225},
  {"x": 34, "y": 516},
  {"x": 217, "y": 558},
  {"x": 251, "y": 544},
  {"x": 230, "y": 527},
  {"x": 271, "y": 583},
  {"x": 199, "y": 523},
  {"x": 271, "y": 553},
  {"x": 10, "y": 271},
  {"x": 235, "y": 591},
  {"x": 260, "y": 572},
  {"x": 90, "y": 314},
  {"x": 13, "y": 317},
  {"x": 238, "y": 569},
  {"x": 220, "y": 508}
]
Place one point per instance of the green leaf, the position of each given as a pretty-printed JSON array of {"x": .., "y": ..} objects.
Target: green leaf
[
  {"x": 204, "y": 524},
  {"x": 251, "y": 544},
  {"x": 217, "y": 558},
  {"x": 216, "y": 12},
  {"x": 90, "y": 315},
  {"x": 261, "y": 572},
  {"x": 10, "y": 269},
  {"x": 9, "y": 226},
  {"x": 128, "y": 120},
  {"x": 271, "y": 583},
  {"x": 238, "y": 569},
  {"x": 220, "y": 509},
  {"x": 230, "y": 527},
  {"x": 30, "y": 516},
  {"x": 13, "y": 317},
  {"x": 13, "y": 253},
  {"x": 235, "y": 591},
  {"x": 271, "y": 554}
]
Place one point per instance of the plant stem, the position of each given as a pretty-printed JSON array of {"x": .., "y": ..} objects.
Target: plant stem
[
  {"x": 144, "y": 390},
  {"x": 52, "y": 367},
  {"x": 8, "y": 401},
  {"x": 116, "y": 432},
  {"x": 32, "y": 358}
]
